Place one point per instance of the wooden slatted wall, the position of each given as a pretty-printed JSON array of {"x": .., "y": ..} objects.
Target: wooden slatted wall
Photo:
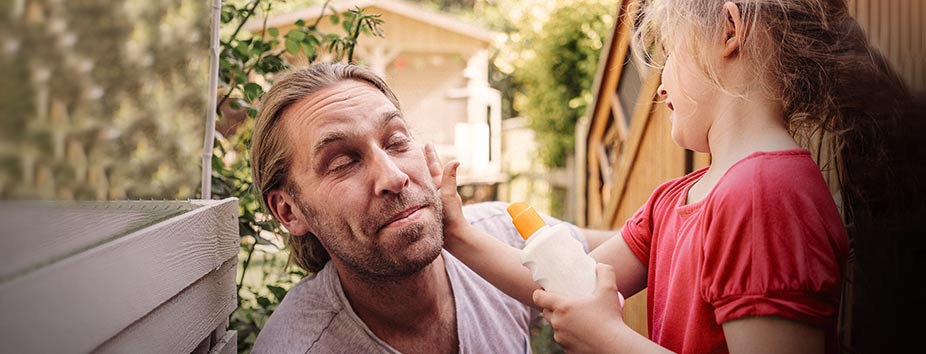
[{"x": 896, "y": 29}]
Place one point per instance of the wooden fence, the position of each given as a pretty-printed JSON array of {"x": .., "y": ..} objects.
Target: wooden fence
[{"x": 118, "y": 277}]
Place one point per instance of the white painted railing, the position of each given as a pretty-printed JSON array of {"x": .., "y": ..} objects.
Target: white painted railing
[{"x": 118, "y": 277}]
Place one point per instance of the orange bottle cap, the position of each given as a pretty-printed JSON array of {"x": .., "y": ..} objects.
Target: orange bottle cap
[{"x": 525, "y": 219}]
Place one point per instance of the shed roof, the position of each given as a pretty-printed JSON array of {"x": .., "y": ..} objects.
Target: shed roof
[{"x": 398, "y": 7}]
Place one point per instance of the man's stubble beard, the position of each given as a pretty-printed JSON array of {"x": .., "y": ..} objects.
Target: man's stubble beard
[{"x": 365, "y": 252}]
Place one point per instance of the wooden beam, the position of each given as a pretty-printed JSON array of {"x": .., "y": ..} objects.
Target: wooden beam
[
  {"x": 180, "y": 324},
  {"x": 641, "y": 117},
  {"x": 51, "y": 231},
  {"x": 228, "y": 344},
  {"x": 76, "y": 304},
  {"x": 610, "y": 71},
  {"x": 620, "y": 120}
]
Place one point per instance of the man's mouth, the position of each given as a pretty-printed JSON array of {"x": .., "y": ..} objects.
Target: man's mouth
[{"x": 405, "y": 216}]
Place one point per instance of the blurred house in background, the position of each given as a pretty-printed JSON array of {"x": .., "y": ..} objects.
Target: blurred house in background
[
  {"x": 438, "y": 67},
  {"x": 549, "y": 190}
]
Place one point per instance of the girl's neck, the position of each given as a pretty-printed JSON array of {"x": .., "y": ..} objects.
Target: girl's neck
[{"x": 744, "y": 126}]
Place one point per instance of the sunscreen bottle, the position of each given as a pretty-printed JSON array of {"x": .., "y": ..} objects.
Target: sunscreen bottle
[{"x": 557, "y": 261}]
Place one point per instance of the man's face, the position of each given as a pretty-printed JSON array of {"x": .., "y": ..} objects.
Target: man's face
[{"x": 362, "y": 184}]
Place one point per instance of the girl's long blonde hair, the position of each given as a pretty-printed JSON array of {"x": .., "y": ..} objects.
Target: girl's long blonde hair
[{"x": 839, "y": 95}]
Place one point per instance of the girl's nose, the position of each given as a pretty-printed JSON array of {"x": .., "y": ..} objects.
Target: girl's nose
[{"x": 662, "y": 91}]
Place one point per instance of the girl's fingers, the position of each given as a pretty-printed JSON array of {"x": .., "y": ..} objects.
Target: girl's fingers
[
  {"x": 433, "y": 161},
  {"x": 606, "y": 278},
  {"x": 606, "y": 282},
  {"x": 545, "y": 299},
  {"x": 448, "y": 184}
]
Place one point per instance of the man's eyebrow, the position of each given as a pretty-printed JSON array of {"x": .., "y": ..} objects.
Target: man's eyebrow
[
  {"x": 387, "y": 117},
  {"x": 329, "y": 138}
]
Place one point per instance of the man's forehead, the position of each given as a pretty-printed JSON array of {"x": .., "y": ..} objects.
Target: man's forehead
[
  {"x": 348, "y": 108},
  {"x": 348, "y": 101}
]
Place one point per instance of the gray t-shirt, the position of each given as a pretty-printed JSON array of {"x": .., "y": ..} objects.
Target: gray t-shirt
[{"x": 316, "y": 317}]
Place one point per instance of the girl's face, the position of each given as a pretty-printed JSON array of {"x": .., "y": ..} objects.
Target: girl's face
[{"x": 690, "y": 95}]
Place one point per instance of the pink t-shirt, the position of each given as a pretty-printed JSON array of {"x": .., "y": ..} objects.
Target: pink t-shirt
[{"x": 767, "y": 241}]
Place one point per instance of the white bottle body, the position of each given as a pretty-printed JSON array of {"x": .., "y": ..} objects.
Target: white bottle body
[{"x": 558, "y": 262}]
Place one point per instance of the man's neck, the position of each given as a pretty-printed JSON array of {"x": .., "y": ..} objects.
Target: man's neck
[{"x": 409, "y": 307}]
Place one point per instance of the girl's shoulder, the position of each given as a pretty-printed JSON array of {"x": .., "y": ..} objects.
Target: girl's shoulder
[
  {"x": 784, "y": 178},
  {"x": 785, "y": 172}
]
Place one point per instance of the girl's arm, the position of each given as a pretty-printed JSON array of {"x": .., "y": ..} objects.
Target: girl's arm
[
  {"x": 497, "y": 262},
  {"x": 500, "y": 263},
  {"x": 772, "y": 335},
  {"x": 630, "y": 272}
]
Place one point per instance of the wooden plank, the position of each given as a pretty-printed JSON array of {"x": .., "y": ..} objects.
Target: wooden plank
[
  {"x": 884, "y": 24},
  {"x": 635, "y": 313},
  {"x": 920, "y": 40},
  {"x": 620, "y": 121},
  {"x": 227, "y": 345},
  {"x": 178, "y": 325},
  {"x": 641, "y": 117},
  {"x": 581, "y": 172},
  {"x": 36, "y": 234},
  {"x": 76, "y": 304},
  {"x": 612, "y": 68},
  {"x": 894, "y": 40},
  {"x": 609, "y": 71}
]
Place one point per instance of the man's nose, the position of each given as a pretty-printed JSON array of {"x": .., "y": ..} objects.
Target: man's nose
[{"x": 387, "y": 176}]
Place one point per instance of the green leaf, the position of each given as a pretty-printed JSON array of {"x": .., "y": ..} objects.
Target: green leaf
[
  {"x": 252, "y": 112},
  {"x": 335, "y": 19},
  {"x": 309, "y": 50},
  {"x": 263, "y": 301},
  {"x": 300, "y": 23},
  {"x": 295, "y": 35},
  {"x": 292, "y": 46},
  {"x": 273, "y": 31},
  {"x": 348, "y": 24},
  {"x": 277, "y": 291},
  {"x": 228, "y": 13},
  {"x": 252, "y": 91},
  {"x": 242, "y": 48}
]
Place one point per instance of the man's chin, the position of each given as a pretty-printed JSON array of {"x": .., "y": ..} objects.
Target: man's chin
[
  {"x": 398, "y": 270},
  {"x": 405, "y": 253}
]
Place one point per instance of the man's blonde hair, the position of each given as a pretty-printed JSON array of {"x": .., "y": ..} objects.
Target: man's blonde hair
[{"x": 271, "y": 151}]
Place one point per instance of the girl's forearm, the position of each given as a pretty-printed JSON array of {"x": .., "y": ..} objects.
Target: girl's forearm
[
  {"x": 495, "y": 261},
  {"x": 629, "y": 341}
]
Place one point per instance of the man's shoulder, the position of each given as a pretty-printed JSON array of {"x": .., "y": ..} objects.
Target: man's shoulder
[
  {"x": 302, "y": 317},
  {"x": 493, "y": 218},
  {"x": 481, "y": 212}
]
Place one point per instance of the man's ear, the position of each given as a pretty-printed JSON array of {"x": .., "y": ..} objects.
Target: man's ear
[
  {"x": 734, "y": 30},
  {"x": 284, "y": 208}
]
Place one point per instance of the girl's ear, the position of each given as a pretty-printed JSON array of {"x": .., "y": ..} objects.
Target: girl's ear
[{"x": 734, "y": 31}]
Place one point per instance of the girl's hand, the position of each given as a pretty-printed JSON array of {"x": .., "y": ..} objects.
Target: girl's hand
[
  {"x": 446, "y": 182},
  {"x": 434, "y": 165},
  {"x": 587, "y": 324}
]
